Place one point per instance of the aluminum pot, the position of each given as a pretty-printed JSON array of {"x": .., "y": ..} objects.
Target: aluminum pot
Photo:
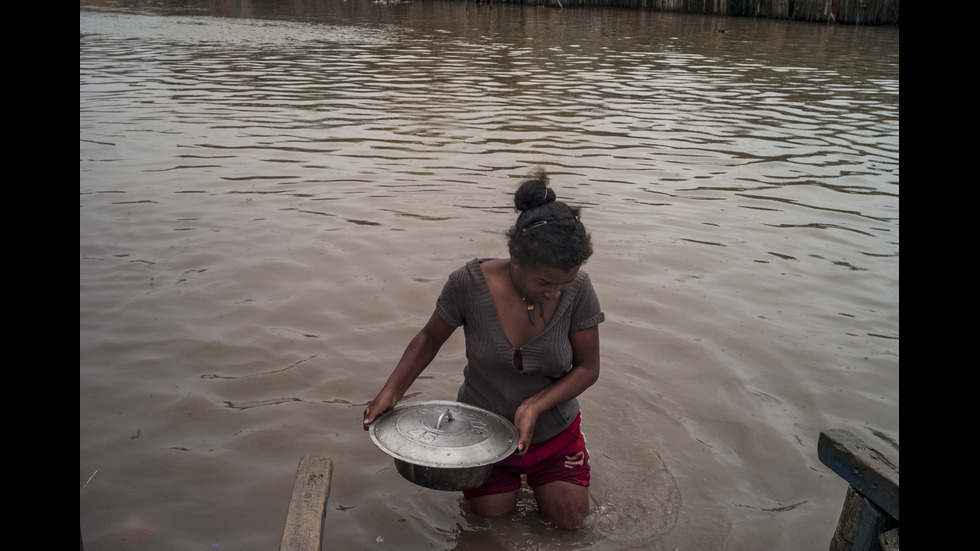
[
  {"x": 451, "y": 479},
  {"x": 444, "y": 445}
]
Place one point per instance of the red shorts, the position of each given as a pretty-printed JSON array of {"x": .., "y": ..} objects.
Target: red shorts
[{"x": 563, "y": 457}]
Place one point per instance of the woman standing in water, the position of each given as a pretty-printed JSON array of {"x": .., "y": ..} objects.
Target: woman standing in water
[{"x": 531, "y": 323}]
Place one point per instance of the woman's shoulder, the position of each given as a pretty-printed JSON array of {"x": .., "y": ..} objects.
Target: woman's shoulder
[
  {"x": 582, "y": 280},
  {"x": 581, "y": 290},
  {"x": 470, "y": 273},
  {"x": 479, "y": 261},
  {"x": 477, "y": 268}
]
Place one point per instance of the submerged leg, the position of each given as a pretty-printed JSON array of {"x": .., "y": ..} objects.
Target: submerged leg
[
  {"x": 494, "y": 505},
  {"x": 563, "y": 503}
]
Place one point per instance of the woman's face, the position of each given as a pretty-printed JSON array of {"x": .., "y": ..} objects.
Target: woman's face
[{"x": 543, "y": 284}]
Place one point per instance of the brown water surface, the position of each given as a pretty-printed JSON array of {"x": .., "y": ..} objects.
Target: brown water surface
[{"x": 272, "y": 194}]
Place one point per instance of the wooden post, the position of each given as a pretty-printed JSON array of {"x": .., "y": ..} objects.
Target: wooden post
[
  {"x": 889, "y": 540},
  {"x": 869, "y": 518},
  {"x": 303, "y": 530}
]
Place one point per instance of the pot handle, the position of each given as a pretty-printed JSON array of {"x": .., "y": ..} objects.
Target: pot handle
[{"x": 446, "y": 415}]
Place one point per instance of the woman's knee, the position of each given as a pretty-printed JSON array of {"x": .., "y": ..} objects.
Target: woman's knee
[
  {"x": 568, "y": 518},
  {"x": 493, "y": 505},
  {"x": 564, "y": 504}
]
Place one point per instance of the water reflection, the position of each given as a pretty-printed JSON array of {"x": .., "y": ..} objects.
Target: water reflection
[{"x": 271, "y": 190}]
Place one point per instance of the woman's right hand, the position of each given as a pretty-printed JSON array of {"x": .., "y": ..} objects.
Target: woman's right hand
[{"x": 376, "y": 407}]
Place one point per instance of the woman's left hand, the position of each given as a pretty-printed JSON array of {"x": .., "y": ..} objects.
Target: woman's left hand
[
  {"x": 524, "y": 419},
  {"x": 584, "y": 372}
]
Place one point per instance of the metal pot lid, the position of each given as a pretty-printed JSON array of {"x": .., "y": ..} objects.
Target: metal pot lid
[{"x": 444, "y": 434}]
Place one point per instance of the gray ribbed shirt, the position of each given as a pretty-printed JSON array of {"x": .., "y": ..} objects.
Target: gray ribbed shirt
[{"x": 490, "y": 378}]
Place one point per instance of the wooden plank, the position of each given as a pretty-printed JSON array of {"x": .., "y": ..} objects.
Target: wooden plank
[
  {"x": 303, "y": 530},
  {"x": 889, "y": 540},
  {"x": 843, "y": 539},
  {"x": 866, "y": 470},
  {"x": 872, "y": 522},
  {"x": 861, "y": 525}
]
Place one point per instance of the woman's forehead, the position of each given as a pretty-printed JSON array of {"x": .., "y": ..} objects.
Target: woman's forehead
[{"x": 554, "y": 275}]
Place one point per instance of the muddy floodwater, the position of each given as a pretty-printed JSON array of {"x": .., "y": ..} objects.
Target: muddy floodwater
[{"x": 272, "y": 195}]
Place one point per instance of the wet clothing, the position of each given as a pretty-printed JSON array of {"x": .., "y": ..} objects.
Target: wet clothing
[
  {"x": 564, "y": 458},
  {"x": 498, "y": 376}
]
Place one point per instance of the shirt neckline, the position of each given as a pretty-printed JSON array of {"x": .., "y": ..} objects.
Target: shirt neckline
[{"x": 477, "y": 270}]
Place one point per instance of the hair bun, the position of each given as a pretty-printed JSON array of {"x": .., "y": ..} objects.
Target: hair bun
[{"x": 534, "y": 191}]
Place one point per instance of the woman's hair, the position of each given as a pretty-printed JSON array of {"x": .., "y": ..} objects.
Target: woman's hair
[{"x": 548, "y": 232}]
